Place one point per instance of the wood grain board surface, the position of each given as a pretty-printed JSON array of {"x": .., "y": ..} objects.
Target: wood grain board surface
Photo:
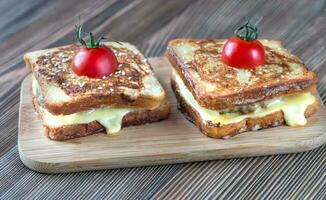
[
  {"x": 170, "y": 141},
  {"x": 37, "y": 24}
]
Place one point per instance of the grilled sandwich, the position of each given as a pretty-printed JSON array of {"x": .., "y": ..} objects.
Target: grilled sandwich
[
  {"x": 224, "y": 101},
  {"x": 72, "y": 106}
]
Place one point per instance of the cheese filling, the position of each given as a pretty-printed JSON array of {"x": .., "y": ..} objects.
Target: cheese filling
[
  {"x": 109, "y": 117},
  {"x": 293, "y": 107}
]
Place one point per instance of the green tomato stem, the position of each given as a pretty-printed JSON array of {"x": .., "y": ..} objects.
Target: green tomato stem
[
  {"x": 247, "y": 32},
  {"x": 92, "y": 42}
]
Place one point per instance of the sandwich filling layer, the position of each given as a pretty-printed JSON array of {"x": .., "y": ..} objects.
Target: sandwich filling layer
[
  {"x": 109, "y": 117},
  {"x": 293, "y": 107}
]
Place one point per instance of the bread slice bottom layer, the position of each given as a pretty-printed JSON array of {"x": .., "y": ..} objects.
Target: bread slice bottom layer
[
  {"x": 80, "y": 130},
  {"x": 216, "y": 130}
]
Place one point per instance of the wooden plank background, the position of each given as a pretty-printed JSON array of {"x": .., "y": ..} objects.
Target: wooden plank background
[{"x": 35, "y": 24}]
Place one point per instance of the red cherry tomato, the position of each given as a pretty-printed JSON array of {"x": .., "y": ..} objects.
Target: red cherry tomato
[
  {"x": 243, "y": 54},
  {"x": 94, "y": 62}
]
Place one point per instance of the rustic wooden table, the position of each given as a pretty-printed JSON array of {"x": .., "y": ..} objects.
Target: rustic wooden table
[{"x": 35, "y": 24}]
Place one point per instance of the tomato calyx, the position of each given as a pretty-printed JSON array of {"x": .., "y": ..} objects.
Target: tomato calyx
[
  {"x": 244, "y": 50},
  {"x": 247, "y": 32},
  {"x": 93, "y": 59},
  {"x": 93, "y": 43}
]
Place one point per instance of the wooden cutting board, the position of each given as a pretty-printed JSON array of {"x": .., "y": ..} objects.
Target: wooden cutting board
[{"x": 174, "y": 140}]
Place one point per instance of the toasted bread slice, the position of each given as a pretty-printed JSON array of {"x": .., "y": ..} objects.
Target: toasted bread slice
[
  {"x": 132, "y": 85},
  {"x": 217, "y": 86},
  {"x": 80, "y": 130},
  {"x": 217, "y": 130}
]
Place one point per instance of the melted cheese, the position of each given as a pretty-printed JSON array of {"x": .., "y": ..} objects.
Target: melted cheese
[
  {"x": 293, "y": 107},
  {"x": 109, "y": 117}
]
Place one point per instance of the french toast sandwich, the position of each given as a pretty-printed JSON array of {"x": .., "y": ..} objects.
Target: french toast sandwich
[
  {"x": 224, "y": 101},
  {"x": 65, "y": 92},
  {"x": 72, "y": 106}
]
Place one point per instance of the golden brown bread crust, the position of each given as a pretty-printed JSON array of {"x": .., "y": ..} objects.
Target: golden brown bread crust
[
  {"x": 226, "y": 131},
  {"x": 237, "y": 94},
  {"x": 123, "y": 88},
  {"x": 81, "y": 130}
]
